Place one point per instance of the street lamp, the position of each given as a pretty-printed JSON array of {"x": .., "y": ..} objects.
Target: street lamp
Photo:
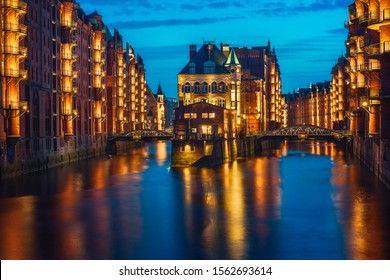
[
  {"x": 365, "y": 104},
  {"x": 15, "y": 109}
]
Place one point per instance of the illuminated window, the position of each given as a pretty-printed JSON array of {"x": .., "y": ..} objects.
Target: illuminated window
[
  {"x": 214, "y": 87},
  {"x": 193, "y": 116},
  {"x": 222, "y": 87},
  {"x": 222, "y": 103},
  {"x": 205, "y": 115},
  {"x": 196, "y": 87},
  {"x": 187, "y": 87},
  {"x": 187, "y": 115},
  {"x": 212, "y": 115},
  {"x": 205, "y": 87}
]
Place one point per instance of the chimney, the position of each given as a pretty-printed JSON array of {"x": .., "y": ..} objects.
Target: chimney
[
  {"x": 225, "y": 49},
  {"x": 192, "y": 51}
]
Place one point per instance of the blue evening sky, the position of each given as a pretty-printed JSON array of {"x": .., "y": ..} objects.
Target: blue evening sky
[{"x": 308, "y": 36}]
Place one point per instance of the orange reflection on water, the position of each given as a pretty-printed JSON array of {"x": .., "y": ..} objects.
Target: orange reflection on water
[
  {"x": 234, "y": 205},
  {"x": 364, "y": 227},
  {"x": 267, "y": 187},
  {"x": 101, "y": 174},
  {"x": 161, "y": 153},
  {"x": 17, "y": 237}
]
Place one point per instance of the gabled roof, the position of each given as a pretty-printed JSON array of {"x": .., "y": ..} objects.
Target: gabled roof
[
  {"x": 206, "y": 54},
  {"x": 304, "y": 91},
  {"x": 94, "y": 14}
]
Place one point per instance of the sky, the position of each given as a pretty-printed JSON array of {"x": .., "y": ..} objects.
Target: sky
[{"x": 308, "y": 36}]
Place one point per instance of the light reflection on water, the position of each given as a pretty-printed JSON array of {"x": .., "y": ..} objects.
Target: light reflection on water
[{"x": 305, "y": 200}]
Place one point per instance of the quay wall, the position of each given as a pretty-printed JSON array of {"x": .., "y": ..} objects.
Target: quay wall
[
  {"x": 374, "y": 153},
  {"x": 67, "y": 154}
]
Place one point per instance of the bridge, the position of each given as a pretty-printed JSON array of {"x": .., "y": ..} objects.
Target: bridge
[
  {"x": 305, "y": 132},
  {"x": 141, "y": 135}
]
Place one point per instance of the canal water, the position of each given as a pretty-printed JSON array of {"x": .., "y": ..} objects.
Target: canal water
[{"x": 305, "y": 200}]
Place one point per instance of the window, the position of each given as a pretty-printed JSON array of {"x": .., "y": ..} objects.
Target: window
[
  {"x": 196, "y": 87},
  {"x": 192, "y": 67},
  {"x": 222, "y": 103},
  {"x": 205, "y": 115},
  {"x": 205, "y": 87},
  {"x": 190, "y": 115},
  {"x": 214, "y": 87},
  {"x": 187, "y": 87},
  {"x": 212, "y": 115},
  {"x": 222, "y": 87}
]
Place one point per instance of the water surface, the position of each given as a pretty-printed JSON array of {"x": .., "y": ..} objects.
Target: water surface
[{"x": 306, "y": 200}]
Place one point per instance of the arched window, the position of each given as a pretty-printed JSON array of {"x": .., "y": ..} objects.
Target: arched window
[
  {"x": 205, "y": 88},
  {"x": 78, "y": 120},
  {"x": 222, "y": 103},
  {"x": 196, "y": 87},
  {"x": 214, "y": 88},
  {"x": 35, "y": 114},
  {"x": 222, "y": 87},
  {"x": 187, "y": 87},
  {"x": 85, "y": 118},
  {"x": 47, "y": 115}
]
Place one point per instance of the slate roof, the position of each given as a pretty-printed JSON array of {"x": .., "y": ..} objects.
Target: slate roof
[
  {"x": 202, "y": 56},
  {"x": 159, "y": 90}
]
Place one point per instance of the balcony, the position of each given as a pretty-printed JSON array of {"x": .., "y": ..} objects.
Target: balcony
[
  {"x": 370, "y": 66},
  {"x": 373, "y": 50},
  {"x": 22, "y": 51},
  {"x": 97, "y": 73},
  {"x": 15, "y": 73},
  {"x": 97, "y": 60},
  {"x": 70, "y": 24},
  {"x": 385, "y": 47},
  {"x": 69, "y": 89},
  {"x": 378, "y": 20},
  {"x": 69, "y": 56},
  {"x": 363, "y": 18},
  {"x": 100, "y": 116},
  {"x": 350, "y": 69},
  {"x": 356, "y": 85},
  {"x": 18, "y": 5},
  {"x": 67, "y": 73},
  {"x": 15, "y": 27},
  {"x": 374, "y": 93}
]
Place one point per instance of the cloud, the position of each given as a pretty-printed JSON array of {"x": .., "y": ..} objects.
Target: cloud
[
  {"x": 283, "y": 9},
  {"x": 338, "y": 31},
  {"x": 238, "y": 4},
  {"x": 219, "y": 5},
  {"x": 191, "y": 7},
  {"x": 134, "y": 24}
]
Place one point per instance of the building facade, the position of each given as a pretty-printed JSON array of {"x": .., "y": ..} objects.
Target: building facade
[
  {"x": 155, "y": 109},
  {"x": 66, "y": 84},
  {"x": 368, "y": 55},
  {"x": 240, "y": 79},
  {"x": 262, "y": 90},
  {"x": 310, "y": 105}
]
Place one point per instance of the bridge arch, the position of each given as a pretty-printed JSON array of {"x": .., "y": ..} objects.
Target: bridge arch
[{"x": 306, "y": 131}]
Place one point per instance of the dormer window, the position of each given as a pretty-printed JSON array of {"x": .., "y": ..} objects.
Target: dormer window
[
  {"x": 209, "y": 67},
  {"x": 192, "y": 67}
]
